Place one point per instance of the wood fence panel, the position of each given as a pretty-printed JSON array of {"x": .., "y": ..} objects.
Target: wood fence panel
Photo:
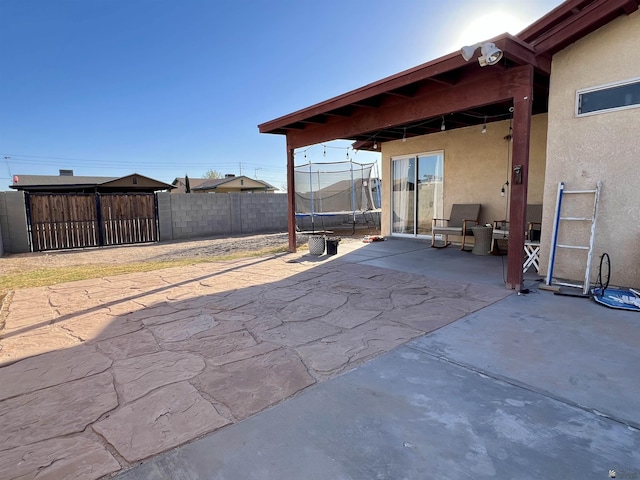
[
  {"x": 60, "y": 221},
  {"x": 63, "y": 221},
  {"x": 128, "y": 218}
]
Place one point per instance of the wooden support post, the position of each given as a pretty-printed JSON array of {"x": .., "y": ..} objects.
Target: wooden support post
[
  {"x": 291, "y": 197},
  {"x": 522, "y": 104}
]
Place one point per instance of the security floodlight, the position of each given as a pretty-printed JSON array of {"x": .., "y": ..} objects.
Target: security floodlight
[
  {"x": 468, "y": 51},
  {"x": 489, "y": 53}
]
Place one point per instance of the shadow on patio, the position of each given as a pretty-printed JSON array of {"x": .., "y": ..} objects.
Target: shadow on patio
[{"x": 103, "y": 373}]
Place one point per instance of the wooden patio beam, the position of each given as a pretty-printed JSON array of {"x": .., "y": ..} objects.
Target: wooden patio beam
[
  {"x": 521, "y": 135},
  {"x": 422, "y": 72},
  {"x": 486, "y": 87}
]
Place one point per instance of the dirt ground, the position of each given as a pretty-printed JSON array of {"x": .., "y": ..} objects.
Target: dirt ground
[{"x": 175, "y": 250}]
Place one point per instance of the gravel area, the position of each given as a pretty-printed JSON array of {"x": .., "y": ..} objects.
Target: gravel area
[{"x": 207, "y": 247}]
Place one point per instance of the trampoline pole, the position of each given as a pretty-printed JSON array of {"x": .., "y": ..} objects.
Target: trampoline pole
[
  {"x": 379, "y": 187},
  {"x": 313, "y": 230},
  {"x": 353, "y": 199}
]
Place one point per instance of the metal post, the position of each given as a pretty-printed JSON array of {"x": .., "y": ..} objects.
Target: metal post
[{"x": 291, "y": 196}]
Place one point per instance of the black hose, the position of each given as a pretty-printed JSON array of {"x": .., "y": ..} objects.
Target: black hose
[{"x": 600, "y": 285}]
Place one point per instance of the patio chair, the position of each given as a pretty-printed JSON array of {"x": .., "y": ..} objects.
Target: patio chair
[
  {"x": 463, "y": 216},
  {"x": 534, "y": 225}
]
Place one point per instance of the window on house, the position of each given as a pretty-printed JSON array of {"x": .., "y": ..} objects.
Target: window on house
[{"x": 607, "y": 98}]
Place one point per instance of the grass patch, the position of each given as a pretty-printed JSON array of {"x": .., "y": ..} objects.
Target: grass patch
[{"x": 51, "y": 276}]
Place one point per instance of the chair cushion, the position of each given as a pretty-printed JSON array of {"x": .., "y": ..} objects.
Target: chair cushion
[
  {"x": 500, "y": 234},
  {"x": 448, "y": 230}
]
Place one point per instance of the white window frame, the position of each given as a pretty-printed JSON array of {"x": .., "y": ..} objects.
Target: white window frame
[{"x": 605, "y": 87}]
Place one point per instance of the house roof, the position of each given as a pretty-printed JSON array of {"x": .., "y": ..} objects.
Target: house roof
[
  {"x": 388, "y": 109},
  {"x": 179, "y": 183},
  {"x": 192, "y": 181},
  {"x": 35, "y": 180},
  {"x": 572, "y": 20},
  {"x": 78, "y": 182},
  {"x": 213, "y": 183}
]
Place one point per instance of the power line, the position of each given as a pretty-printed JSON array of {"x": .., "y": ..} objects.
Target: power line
[{"x": 95, "y": 164}]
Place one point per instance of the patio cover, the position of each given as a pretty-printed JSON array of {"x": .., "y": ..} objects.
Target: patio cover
[{"x": 462, "y": 91}]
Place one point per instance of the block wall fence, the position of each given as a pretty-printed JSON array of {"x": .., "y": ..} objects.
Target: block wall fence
[
  {"x": 181, "y": 216},
  {"x": 192, "y": 215}
]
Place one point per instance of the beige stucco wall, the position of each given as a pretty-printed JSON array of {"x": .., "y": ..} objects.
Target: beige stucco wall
[
  {"x": 475, "y": 166},
  {"x": 605, "y": 146}
]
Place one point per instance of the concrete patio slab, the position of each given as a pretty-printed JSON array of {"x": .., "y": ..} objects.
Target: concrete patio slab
[
  {"x": 224, "y": 340},
  {"x": 74, "y": 457},
  {"x": 178, "y": 354},
  {"x": 408, "y": 415},
  {"x": 165, "y": 418},
  {"x": 568, "y": 348},
  {"x": 56, "y": 411}
]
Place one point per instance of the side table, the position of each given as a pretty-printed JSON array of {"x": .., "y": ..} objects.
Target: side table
[
  {"x": 482, "y": 237},
  {"x": 531, "y": 256}
]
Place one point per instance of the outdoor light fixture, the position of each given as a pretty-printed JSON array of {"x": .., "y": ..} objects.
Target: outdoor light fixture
[
  {"x": 443, "y": 127},
  {"x": 375, "y": 144},
  {"x": 484, "y": 127},
  {"x": 489, "y": 53}
]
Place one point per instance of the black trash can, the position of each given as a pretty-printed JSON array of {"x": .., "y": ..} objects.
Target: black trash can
[{"x": 332, "y": 246}]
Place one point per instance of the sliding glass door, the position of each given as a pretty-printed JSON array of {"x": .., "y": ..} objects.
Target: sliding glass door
[{"x": 416, "y": 193}]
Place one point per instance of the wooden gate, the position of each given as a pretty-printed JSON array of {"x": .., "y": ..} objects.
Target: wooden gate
[
  {"x": 69, "y": 220},
  {"x": 130, "y": 218}
]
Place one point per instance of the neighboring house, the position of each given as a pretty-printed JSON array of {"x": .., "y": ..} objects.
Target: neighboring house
[
  {"x": 181, "y": 186},
  {"x": 67, "y": 182},
  {"x": 232, "y": 184},
  {"x": 562, "y": 103}
]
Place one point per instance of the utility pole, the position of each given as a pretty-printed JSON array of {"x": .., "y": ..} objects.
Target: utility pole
[
  {"x": 6, "y": 159},
  {"x": 255, "y": 173}
]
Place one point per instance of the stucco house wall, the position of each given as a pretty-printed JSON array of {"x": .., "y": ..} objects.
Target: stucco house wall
[
  {"x": 475, "y": 166},
  {"x": 603, "y": 146}
]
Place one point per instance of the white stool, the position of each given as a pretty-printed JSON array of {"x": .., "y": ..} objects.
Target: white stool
[{"x": 532, "y": 256}]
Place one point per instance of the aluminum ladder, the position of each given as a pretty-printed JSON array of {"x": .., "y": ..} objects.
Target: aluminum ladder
[{"x": 558, "y": 219}]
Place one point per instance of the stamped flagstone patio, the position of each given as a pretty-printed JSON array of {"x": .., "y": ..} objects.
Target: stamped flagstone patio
[{"x": 97, "y": 375}]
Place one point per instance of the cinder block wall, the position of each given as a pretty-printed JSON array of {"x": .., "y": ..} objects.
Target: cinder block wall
[
  {"x": 1, "y": 244},
  {"x": 188, "y": 215},
  {"x": 165, "y": 218},
  {"x": 261, "y": 212},
  {"x": 13, "y": 223}
]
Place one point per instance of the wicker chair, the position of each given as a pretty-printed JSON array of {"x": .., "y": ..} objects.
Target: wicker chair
[
  {"x": 463, "y": 216},
  {"x": 534, "y": 224}
]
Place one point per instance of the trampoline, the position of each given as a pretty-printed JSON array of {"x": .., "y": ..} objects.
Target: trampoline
[
  {"x": 618, "y": 298},
  {"x": 337, "y": 193}
]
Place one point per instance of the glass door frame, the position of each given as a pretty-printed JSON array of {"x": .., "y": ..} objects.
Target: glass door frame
[{"x": 438, "y": 209}]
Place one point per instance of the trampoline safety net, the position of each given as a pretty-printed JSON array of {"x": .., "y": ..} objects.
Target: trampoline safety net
[{"x": 339, "y": 187}]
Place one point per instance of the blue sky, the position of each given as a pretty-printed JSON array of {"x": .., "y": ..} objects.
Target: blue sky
[{"x": 168, "y": 87}]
